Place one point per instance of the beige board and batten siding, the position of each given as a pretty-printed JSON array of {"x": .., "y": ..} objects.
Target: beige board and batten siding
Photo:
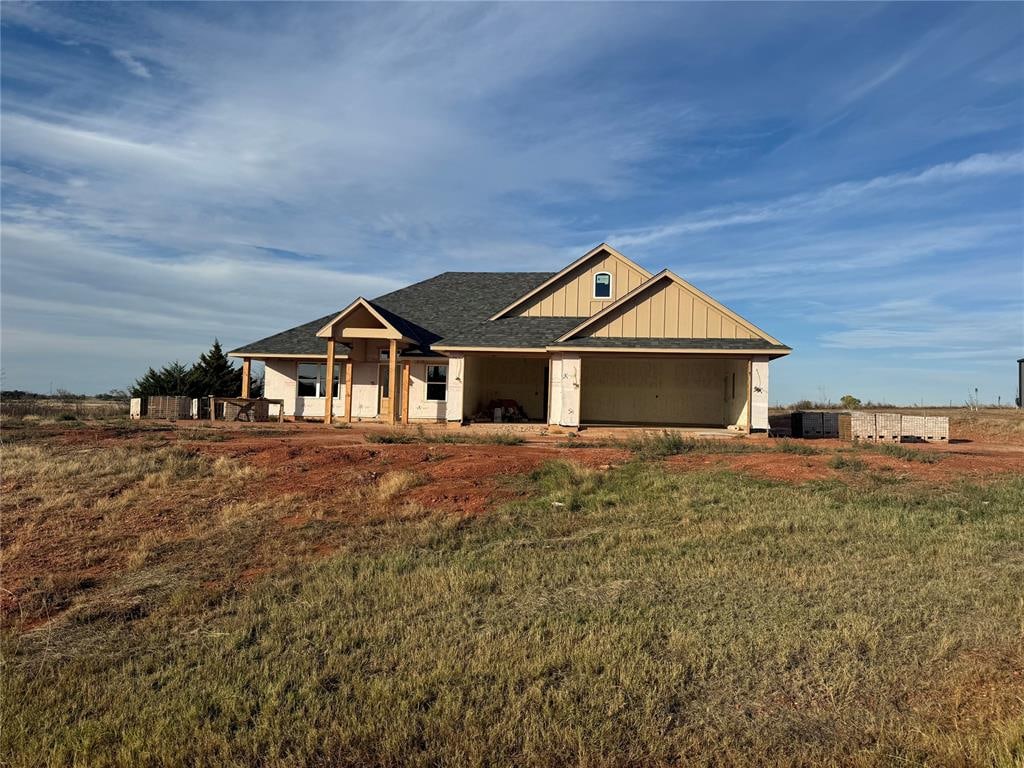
[
  {"x": 669, "y": 310},
  {"x": 573, "y": 294}
]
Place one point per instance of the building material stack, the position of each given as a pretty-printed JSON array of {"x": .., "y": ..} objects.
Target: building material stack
[
  {"x": 893, "y": 428},
  {"x": 168, "y": 407},
  {"x": 815, "y": 424},
  {"x": 887, "y": 427},
  {"x": 807, "y": 424}
]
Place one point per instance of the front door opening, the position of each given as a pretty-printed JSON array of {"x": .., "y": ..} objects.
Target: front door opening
[{"x": 383, "y": 379}]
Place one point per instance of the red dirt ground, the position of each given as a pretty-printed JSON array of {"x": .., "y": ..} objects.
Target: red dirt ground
[
  {"x": 49, "y": 560},
  {"x": 464, "y": 479},
  {"x": 469, "y": 478},
  {"x": 306, "y": 459}
]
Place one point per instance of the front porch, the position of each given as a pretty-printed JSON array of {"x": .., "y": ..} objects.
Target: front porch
[
  {"x": 386, "y": 382},
  {"x": 612, "y": 390}
]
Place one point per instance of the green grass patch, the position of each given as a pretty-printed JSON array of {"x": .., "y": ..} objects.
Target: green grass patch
[
  {"x": 796, "y": 447},
  {"x": 670, "y": 443},
  {"x": 848, "y": 461},
  {"x": 401, "y": 437},
  {"x": 907, "y": 454},
  {"x": 390, "y": 438}
]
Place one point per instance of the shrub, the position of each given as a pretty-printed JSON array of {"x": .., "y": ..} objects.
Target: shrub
[
  {"x": 909, "y": 454},
  {"x": 792, "y": 446},
  {"x": 444, "y": 438},
  {"x": 502, "y": 438},
  {"x": 849, "y": 402},
  {"x": 663, "y": 444},
  {"x": 668, "y": 443},
  {"x": 389, "y": 438},
  {"x": 852, "y": 463}
]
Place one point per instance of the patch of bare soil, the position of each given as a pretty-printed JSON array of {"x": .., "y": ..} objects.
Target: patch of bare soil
[{"x": 461, "y": 479}]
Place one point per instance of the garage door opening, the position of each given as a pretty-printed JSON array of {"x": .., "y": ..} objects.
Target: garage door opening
[
  {"x": 678, "y": 392},
  {"x": 516, "y": 385}
]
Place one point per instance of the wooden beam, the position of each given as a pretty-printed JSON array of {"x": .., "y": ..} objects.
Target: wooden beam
[
  {"x": 750, "y": 394},
  {"x": 405, "y": 392},
  {"x": 392, "y": 374},
  {"x": 246, "y": 376},
  {"x": 329, "y": 376},
  {"x": 370, "y": 333},
  {"x": 348, "y": 390}
]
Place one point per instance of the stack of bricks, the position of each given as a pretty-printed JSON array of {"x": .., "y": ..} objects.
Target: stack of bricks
[
  {"x": 893, "y": 427},
  {"x": 888, "y": 427}
]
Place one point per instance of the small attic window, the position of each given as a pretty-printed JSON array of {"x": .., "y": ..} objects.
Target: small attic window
[{"x": 602, "y": 285}]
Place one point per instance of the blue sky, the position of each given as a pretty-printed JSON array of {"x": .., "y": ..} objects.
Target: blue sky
[{"x": 850, "y": 177}]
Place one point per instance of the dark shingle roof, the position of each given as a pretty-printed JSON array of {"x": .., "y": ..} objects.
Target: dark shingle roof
[
  {"x": 300, "y": 340},
  {"x": 454, "y": 303},
  {"x": 450, "y": 304},
  {"x": 513, "y": 332},
  {"x": 452, "y": 309}
]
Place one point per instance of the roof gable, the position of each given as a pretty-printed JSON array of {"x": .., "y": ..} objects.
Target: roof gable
[
  {"x": 569, "y": 293},
  {"x": 667, "y": 307},
  {"x": 359, "y": 320}
]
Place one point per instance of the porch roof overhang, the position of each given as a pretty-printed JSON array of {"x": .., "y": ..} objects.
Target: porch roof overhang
[
  {"x": 384, "y": 330},
  {"x": 339, "y": 355}
]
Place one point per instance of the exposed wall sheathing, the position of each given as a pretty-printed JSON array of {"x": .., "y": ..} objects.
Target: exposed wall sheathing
[
  {"x": 506, "y": 378},
  {"x": 696, "y": 391}
]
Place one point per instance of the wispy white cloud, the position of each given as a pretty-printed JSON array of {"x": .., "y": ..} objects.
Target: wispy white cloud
[
  {"x": 830, "y": 198},
  {"x": 133, "y": 65},
  {"x": 152, "y": 168}
]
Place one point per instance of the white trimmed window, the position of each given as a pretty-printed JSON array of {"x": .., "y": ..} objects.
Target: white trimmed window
[
  {"x": 603, "y": 285},
  {"x": 437, "y": 382},
  {"x": 311, "y": 380}
]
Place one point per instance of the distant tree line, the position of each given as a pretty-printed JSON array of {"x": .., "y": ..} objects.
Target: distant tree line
[
  {"x": 212, "y": 374},
  {"x": 118, "y": 395}
]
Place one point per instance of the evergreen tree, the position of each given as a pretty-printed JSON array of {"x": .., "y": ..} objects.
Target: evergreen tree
[
  {"x": 173, "y": 379},
  {"x": 147, "y": 385},
  {"x": 214, "y": 374}
]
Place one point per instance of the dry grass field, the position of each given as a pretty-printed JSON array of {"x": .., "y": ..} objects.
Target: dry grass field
[{"x": 296, "y": 595}]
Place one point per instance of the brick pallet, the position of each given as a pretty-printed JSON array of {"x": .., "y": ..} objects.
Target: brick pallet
[
  {"x": 893, "y": 427},
  {"x": 807, "y": 424},
  {"x": 887, "y": 427},
  {"x": 815, "y": 424}
]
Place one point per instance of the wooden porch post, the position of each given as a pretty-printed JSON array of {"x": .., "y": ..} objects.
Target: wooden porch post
[
  {"x": 348, "y": 389},
  {"x": 329, "y": 398},
  {"x": 246, "y": 378},
  {"x": 750, "y": 398},
  {"x": 405, "y": 392},
  {"x": 392, "y": 373}
]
